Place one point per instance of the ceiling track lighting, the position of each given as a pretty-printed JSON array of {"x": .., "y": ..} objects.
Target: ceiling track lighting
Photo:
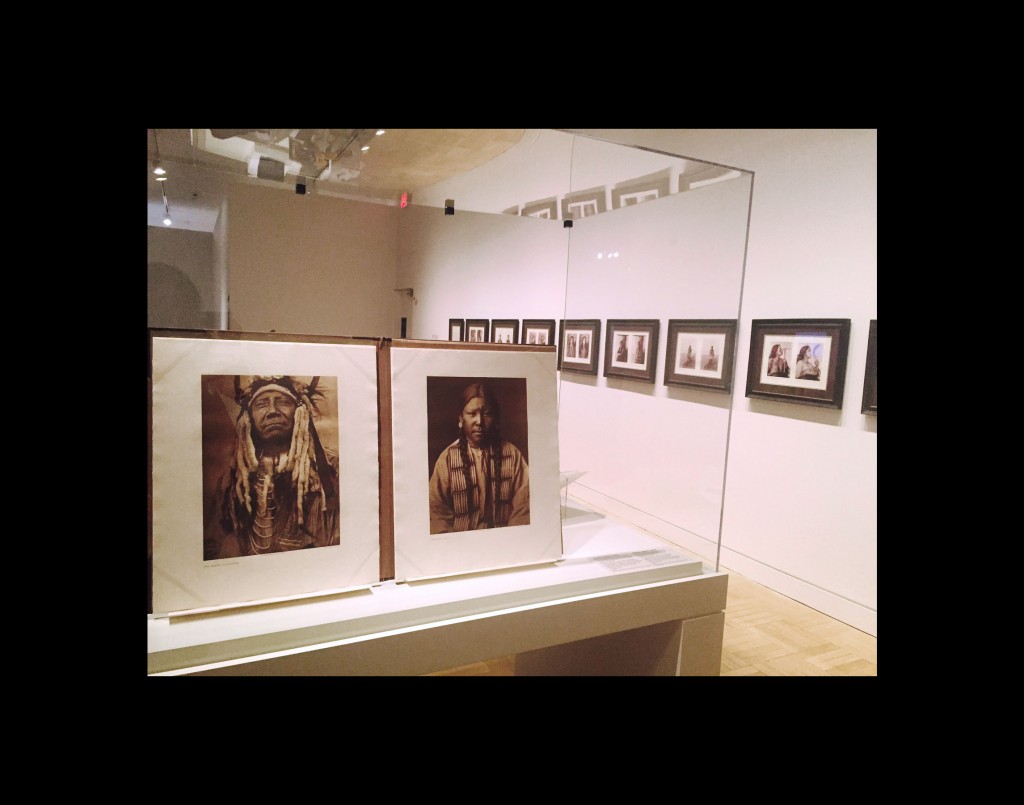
[
  {"x": 158, "y": 169},
  {"x": 161, "y": 176}
]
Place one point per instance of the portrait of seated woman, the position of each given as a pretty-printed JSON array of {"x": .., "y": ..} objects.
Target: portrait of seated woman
[{"x": 807, "y": 367}]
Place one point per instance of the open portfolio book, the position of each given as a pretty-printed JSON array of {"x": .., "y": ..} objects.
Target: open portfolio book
[{"x": 287, "y": 466}]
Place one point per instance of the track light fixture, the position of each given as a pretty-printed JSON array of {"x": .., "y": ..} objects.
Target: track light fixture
[
  {"x": 161, "y": 176},
  {"x": 158, "y": 169}
]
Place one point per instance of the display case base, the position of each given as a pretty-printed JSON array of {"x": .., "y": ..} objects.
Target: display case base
[{"x": 620, "y": 602}]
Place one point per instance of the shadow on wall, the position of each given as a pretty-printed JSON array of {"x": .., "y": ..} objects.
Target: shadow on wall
[{"x": 173, "y": 299}]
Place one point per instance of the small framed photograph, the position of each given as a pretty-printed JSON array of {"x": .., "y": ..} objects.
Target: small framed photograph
[
  {"x": 798, "y": 360},
  {"x": 869, "y": 403},
  {"x": 538, "y": 331},
  {"x": 505, "y": 331},
  {"x": 579, "y": 345},
  {"x": 456, "y": 329},
  {"x": 700, "y": 353},
  {"x": 632, "y": 349},
  {"x": 478, "y": 330}
]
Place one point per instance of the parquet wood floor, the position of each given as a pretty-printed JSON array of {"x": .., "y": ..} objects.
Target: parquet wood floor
[{"x": 766, "y": 634}]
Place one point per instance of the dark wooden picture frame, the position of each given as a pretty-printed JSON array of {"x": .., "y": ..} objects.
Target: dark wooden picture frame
[
  {"x": 477, "y": 324},
  {"x": 798, "y": 360},
  {"x": 456, "y": 329},
  {"x": 505, "y": 324},
  {"x": 699, "y": 353},
  {"x": 534, "y": 327},
  {"x": 578, "y": 336},
  {"x": 631, "y": 349},
  {"x": 869, "y": 402}
]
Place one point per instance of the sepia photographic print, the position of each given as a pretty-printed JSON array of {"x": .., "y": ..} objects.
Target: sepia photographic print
[
  {"x": 478, "y": 453},
  {"x": 264, "y": 467},
  {"x": 270, "y": 464},
  {"x": 475, "y": 458}
]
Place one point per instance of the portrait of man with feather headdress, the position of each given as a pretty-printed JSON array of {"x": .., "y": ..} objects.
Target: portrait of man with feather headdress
[{"x": 277, "y": 482}]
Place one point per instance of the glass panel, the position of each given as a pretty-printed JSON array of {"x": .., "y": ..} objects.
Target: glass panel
[{"x": 655, "y": 237}]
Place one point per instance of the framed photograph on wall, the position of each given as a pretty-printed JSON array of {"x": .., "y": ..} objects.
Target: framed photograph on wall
[
  {"x": 869, "y": 403},
  {"x": 798, "y": 360},
  {"x": 579, "y": 346},
  {"x": 505, "y": 331},
  {"x": 478, "y": 330},
  {"x": 456, "y": 329},
  {"x": 538, "y": 331},
  {"x": 631, "y": 349},
  {"x": 699, "y": 353}
]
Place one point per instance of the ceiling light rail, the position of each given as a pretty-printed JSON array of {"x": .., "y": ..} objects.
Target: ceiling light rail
[
  {"x": 158, "y": 169},
  {"x": 161, "y": 176}
]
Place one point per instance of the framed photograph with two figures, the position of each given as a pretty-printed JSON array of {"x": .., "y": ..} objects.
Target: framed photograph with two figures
[
  {"x": 798, "y": 360},
  {"x": 478, "y": 330},
  {"x": 699, "y": 353},
  {"x": 505, "y": 331},
  {"x": 869, "y": 402},
  {"x": 579, "y": 345},
  {"x": 538, "y": 331},
  {"x": 456, "y": 329},
  {"x": 631, "y": 349}
]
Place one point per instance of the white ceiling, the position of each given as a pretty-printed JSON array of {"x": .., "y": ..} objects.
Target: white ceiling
[
  {"x": 202, "y": 163},
  {"x": 484, "y": 170}
]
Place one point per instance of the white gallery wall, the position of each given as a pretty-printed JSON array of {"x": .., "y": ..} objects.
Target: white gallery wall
[
  {"x": 801, "y": 495},
  {"x": 309, "y": 264},
  {"x": 474, "y": 265},
  {"x": 181, "y": 291},
  {"x": 188, "y": 276}
]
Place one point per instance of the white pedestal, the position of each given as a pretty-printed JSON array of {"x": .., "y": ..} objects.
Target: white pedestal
[{"x": 619, "y": 603}]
